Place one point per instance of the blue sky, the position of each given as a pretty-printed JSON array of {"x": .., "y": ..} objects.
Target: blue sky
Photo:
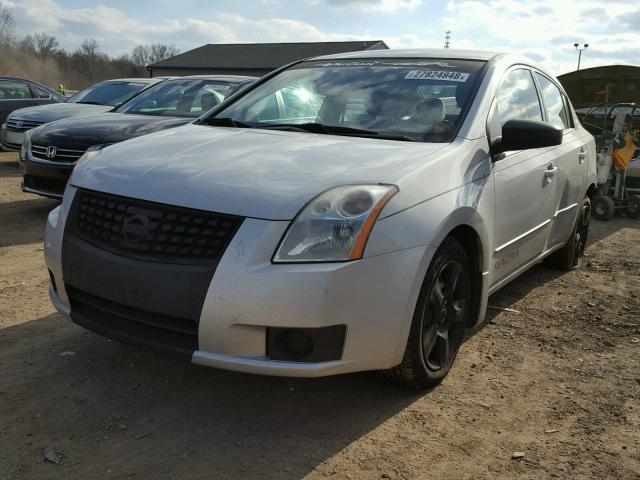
[{"x": 544, "y": 30}]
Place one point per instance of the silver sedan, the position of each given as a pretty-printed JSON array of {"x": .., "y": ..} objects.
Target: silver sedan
[{"x": 350, "y": 212}]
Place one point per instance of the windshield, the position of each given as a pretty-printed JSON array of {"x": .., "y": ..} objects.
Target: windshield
[
  {"x": 108, "y": 93},
  {"x": 407, "y": 99},
  {"x": 180, "y": 98}
]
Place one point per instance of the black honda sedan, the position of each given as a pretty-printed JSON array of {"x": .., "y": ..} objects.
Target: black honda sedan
[{"x": 50, "y": 152}]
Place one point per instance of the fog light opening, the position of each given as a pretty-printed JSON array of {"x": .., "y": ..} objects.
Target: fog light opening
[{"x": 295, "y": 343}]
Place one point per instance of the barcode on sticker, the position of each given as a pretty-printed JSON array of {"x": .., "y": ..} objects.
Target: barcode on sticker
[
  {"x": 437, "y": 75},
  {"x": 220, "y": 87}
]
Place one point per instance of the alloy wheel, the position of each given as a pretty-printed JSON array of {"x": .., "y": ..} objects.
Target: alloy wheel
[{"x": 443, "y": 321}]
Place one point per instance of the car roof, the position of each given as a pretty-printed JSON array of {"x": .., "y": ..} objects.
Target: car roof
[
  {"x": 26, "y": 80},
  {"x": 226, "y": 78},
  {"x": 133, "y": 79},
  {"x": 442, "y": 53}
]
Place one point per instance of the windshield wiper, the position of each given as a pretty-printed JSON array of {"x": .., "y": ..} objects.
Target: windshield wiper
[
  {"x": 335, "y": 130},
  {"x": 91, "y": 103},
  {"x": 224, "y": 122}
]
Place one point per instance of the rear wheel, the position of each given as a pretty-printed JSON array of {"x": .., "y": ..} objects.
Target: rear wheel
[
  {"x": 569, "y": 256},
  {"x": 633, "y": 210},
  {"x": 603, "y": 208},
  {"x": 439, "y": 320}
]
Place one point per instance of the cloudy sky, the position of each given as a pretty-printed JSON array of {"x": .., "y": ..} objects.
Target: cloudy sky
[{"x": 544, "y": 30}]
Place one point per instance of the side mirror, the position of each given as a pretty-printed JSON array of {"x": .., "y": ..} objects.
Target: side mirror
[{"x": 526, "y": 134}]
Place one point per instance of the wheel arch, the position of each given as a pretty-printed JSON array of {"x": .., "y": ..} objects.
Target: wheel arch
[{"x": 471, "y": 241}]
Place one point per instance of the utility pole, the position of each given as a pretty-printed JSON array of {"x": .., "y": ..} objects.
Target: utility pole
[
  {"x": 447, "y": 38},
  {"x": 580, "y": 50}
]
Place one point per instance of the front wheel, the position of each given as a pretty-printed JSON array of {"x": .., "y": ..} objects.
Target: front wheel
[
  {"x": 439, "y": 320},
  {"x": 569, "y": 256}
]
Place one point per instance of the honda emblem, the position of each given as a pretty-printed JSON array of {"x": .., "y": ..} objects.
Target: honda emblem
[{"x": 51, "y": 151}]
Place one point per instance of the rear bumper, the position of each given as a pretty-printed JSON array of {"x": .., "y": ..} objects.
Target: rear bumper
[{"x": 372, "y": 300}]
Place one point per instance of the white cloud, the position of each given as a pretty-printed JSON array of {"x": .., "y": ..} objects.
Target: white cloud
[
  {"x": 118, "y": 33},
  {"x": 372, "y": 5},
  {"x": 543, "y": 30},
  {"x": 546, "y": 30}
]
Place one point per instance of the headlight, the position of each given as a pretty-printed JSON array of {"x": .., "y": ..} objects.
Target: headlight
[
  {"x": 92, "y": 151},
  {"x": 26, "y": 145},
  {"x": 335, "y": 225}
]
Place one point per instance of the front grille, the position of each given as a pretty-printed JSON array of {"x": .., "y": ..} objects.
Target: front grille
[
  {"x": 56, "y": 154},
  {"x": 151, "y": 231},
  {"x": 22, "y": 125}
]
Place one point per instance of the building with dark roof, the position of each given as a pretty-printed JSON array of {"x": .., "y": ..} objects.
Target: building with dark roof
[
  {"x": 587, "y": 87},
  {"x": 251, "y": 58}
]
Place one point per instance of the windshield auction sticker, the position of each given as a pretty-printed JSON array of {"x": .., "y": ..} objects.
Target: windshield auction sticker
[{"x": 437, "y": 75}]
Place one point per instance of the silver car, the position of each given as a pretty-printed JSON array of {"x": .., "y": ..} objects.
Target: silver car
[{"x": 346, "y": 213}]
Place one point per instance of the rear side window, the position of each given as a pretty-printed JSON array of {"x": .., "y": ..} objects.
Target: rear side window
[
  {"x": 14, "y": 90},
  {"x": 517, "y": 97},
  {"x": 553, "y": 103}
]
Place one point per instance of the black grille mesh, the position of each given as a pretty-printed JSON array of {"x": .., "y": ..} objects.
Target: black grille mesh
[{"x": 151, "y": 231}]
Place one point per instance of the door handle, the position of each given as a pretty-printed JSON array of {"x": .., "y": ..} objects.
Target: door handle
[
  {"x": 582, "y": 154},
  {"x": 551, "y": 171}
]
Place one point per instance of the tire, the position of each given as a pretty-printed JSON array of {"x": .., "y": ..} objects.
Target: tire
[
  {"x": 439, "y": 320},
  {"x": 633, "y": 210},
  {"x": 569, "y": 256},
  {"x": 603, "y": 208}
]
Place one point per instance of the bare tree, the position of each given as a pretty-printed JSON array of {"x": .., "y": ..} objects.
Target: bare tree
[
  {"x": 27, "y": 44},
  {"x": 89, "y": 56},
  {"x": 143, "y": 55},
  {"x": 162, "y": 51},
  {"x": 140, "y": 56},
  {"x": 7, "y": 23},
  {"x": 89, "y": 48},
  {"x": 45, "y": 45}
]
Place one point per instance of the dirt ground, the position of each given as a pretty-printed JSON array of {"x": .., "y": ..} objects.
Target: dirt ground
[{"x": 559, "y": 380}]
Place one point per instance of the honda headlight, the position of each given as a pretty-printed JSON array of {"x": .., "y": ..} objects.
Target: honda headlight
[
  {"x": 26, "y": 145},
  {"x": 92, "y": 151},
  {"x": 335, "y": 225}
]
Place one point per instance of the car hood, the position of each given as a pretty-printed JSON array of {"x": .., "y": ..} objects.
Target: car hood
[
  {"x": 267, "y": 174},
  {"x": 56, "y": 111},
  {"x": 81, "y": 133}
]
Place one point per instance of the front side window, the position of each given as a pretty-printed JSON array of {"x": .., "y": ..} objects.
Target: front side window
[
  {"x": 411, "y": 99},
  {"x": 108, "y": 93},
  {"x": 10, "y": 90},
  {"x": 517, "y": 97},
  {"x": 553, "y": 103},
  {"x": 179, "y": 98}
]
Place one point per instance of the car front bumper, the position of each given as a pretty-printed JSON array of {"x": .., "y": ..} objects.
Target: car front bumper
[
  {"x": 10, "y": 141},
  {"x": 42, "y": 177},
  {"x": 248, "y": 296}
]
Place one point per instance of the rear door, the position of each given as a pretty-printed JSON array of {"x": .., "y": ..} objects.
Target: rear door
[
  {"x": 13, "y": 96},
  {"x": 525, "y": 188},
  {"x": 571, "y": 160}
]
